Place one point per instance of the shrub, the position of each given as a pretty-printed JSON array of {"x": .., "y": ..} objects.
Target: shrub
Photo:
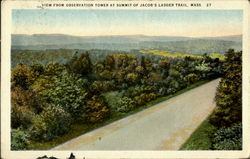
[
  {"x": 19, "y": 140},
  {"x": 204, "y": 69},
  {"x": 112, "y": 99},
  {"x": 53, "y": 121},
  {"x": 139, "y": 89},
  {"x": 125, "y": 104},
  {"x": 120, "y": 76},
  {"x": 228, "y": 138},
  {"x": 162, "y": 91},
  {"x": 102, "y": 86},
  {"x": 118, "y": 103},
  {"x": 174, "y": 73},
  {"x": 96, "y": 110},
  {"x": 143, "y": 98},
  {"x": 173, "y": 87},
  {"x": 132, "y": 78},
  {"x": 191, "y": 78}
]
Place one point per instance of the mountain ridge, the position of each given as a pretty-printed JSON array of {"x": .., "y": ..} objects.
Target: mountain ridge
[
  {"x": 127, "y": 43},
  {"x": 43, "y": 39}
]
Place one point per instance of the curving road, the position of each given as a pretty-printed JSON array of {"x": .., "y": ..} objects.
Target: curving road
[{"x": 165, "y": 126}]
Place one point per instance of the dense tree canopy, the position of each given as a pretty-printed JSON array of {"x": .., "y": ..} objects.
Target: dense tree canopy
[{"x": 48, "y": 98}]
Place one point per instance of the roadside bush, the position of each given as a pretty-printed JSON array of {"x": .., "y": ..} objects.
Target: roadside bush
[
  {"x": 19, "y": 140},
  {"x": 162, "y": 91},
  {"x": 173, "y": 87},
  {"x": 191, "y": 78},
  {"x": 97, "y": 110},
  {"x": 102, "y": 86},
  {"x": 143, "y": 98},
  {"x": 174, "y": 73},
  {"x": 204, "y": 69},
  {"x": 52, "y": 122},
  {"x": 112, "y": 99},
  {"x": 125, "y": 105},
  {"x": 139, "y": 89},
  {"x": 228, "y": 138}
]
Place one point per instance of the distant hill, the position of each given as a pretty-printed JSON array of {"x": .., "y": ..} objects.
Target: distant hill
[
  {"x": 236, "y": 38},
  {"x": 59, "y": 39},
  {"x": 126, "y": 43}
]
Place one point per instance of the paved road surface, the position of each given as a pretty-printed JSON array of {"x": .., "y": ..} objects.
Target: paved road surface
[{"x": 165, "y": 126}]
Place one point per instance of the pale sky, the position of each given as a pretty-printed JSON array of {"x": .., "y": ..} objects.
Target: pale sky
[{"x": 190, "y": 23}]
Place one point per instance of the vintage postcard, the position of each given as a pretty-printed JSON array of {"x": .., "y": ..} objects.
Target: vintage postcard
[{"x": 125, "y": 79}]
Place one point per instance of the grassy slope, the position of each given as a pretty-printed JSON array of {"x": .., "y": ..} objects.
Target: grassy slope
[
  {"x": 174, "y": 55},
  {"x": 200, "y": 139},
  {"x": 79, "y": 129}
]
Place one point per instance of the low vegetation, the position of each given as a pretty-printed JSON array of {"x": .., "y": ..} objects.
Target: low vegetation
[{"x": 201, "y": 138}]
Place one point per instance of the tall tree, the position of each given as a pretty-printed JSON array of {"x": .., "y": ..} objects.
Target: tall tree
[{"x": 229, "y": 93}]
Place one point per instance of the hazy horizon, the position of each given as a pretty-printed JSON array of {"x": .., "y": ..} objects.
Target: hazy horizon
[
  {"x": 181, "y": 23},
  {"x": 124, "y": 35}
]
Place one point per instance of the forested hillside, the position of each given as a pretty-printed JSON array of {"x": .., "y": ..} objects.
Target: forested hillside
[
  {"x": 48, "y": 99},
  {"x": 188, "y": 45}
]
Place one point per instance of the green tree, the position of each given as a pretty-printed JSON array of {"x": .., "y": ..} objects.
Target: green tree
[
  {"x": 80, "y": 65},
  {"x": 164, "y": 65},
  {"x": 22, "y": 75},
  {"x": 38, "y": 69},
  {"x": 229, "y": 93},
  {"x": 147, "y": 64},
  {"x": 53, "y": 121},
  {"x": 109, "y": 62},
  {"x": 67, "y": 91},
  {"x": 53, "y": 69},
  {"x": 106, "y": 74},
  {"x": 132, "y": 78}
]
